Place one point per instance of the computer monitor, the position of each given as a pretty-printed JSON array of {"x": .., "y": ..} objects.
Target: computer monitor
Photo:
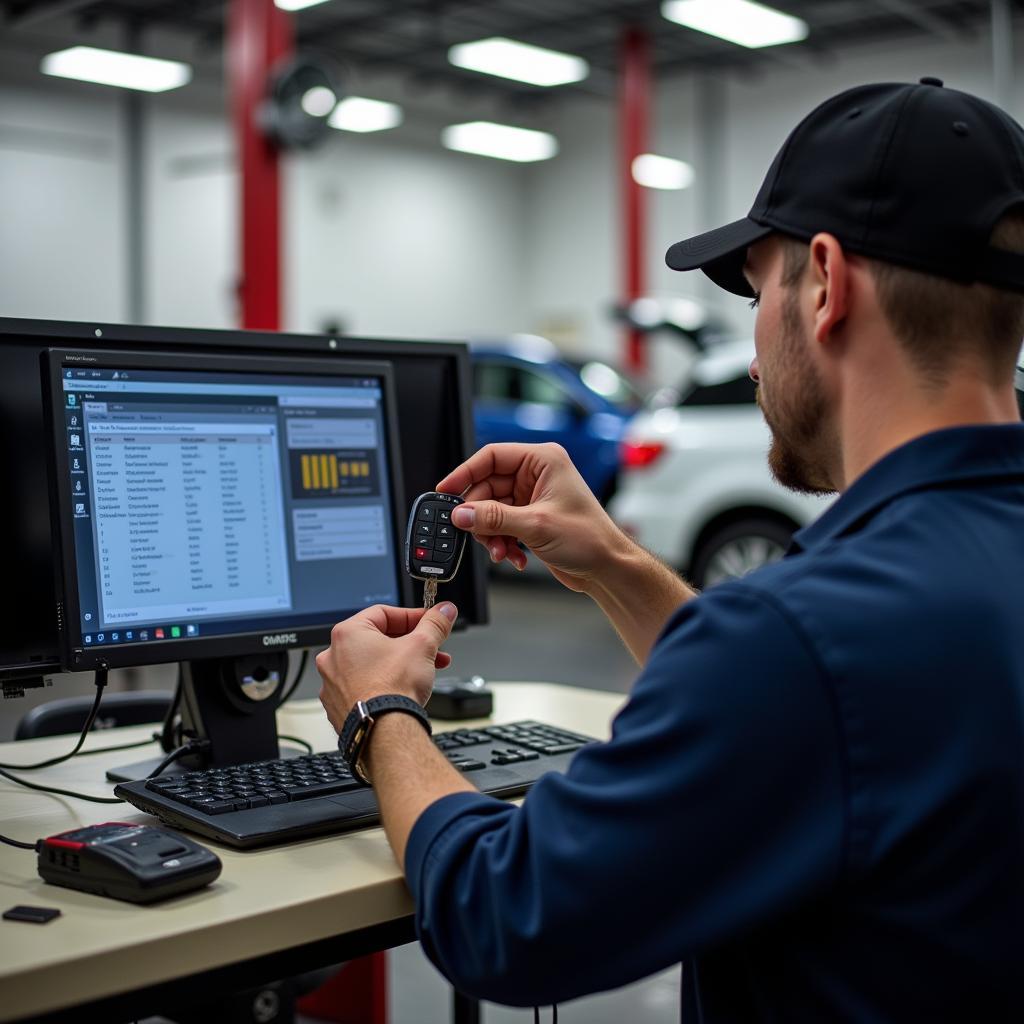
[
  {"x": 276, "y": 392},
  {"x": 210, "y": 506}
]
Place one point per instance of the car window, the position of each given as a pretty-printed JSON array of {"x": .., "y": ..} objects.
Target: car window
[
  {"x": 738, "y": 391},
  {"x": 496, "y": 382},
  {"x": 535, "y": 387},
  {"x": 503, "y": 382}
]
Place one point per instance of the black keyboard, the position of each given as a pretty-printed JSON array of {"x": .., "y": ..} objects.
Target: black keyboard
[{"x": 267, "y": 802}]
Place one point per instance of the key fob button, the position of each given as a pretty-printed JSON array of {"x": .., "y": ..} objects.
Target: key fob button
[
  {"x": 422, "y": 553},
  {"x": 426, "y": 512},
  {"x": 444, "y": 515},
  {"x": 425, "y": 529},
  {"x": 444, "y": 531}
]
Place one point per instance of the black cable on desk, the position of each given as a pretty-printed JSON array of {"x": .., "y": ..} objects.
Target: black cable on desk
[
  {"x": 61, "y": 792},
  {"x": 18, "y": 843},
  {"x": 101, "y": 682},
  {"x": 301, "y": 742},
  {"x": 193, "y": 746}
]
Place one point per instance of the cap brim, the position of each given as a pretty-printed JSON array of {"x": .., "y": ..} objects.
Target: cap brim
[{"x": 720, "y": 254}]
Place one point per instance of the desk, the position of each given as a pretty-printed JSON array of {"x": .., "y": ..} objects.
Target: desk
[{"x": 272, "y": 913}]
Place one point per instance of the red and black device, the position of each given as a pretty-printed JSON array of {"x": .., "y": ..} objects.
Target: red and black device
[{"x": 137, "y": 863}]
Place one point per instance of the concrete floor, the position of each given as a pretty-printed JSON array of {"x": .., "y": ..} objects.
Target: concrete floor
[{"x": 538, "y": 631}]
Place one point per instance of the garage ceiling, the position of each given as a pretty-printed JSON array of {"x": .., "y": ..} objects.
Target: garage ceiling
[{"x": 410, "y": 38}]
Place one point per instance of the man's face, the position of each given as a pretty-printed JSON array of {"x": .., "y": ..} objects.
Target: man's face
[{"x": 791, "y": 392}]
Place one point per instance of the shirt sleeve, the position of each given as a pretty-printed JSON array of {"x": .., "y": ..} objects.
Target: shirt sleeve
[{"x": 717, "y": 804}]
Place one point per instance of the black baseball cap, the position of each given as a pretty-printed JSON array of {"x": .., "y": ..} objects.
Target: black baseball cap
[{"x": 916, "y": 175}]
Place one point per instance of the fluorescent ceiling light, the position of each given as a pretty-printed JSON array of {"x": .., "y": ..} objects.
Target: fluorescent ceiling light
[
  {"x": 484, "y": 138},
  {"x": 297, "y": 5},
  {"x": 661, "y": 172},
  {"x": 357, "y": 114},
  {"x": 508, "y": 59},
  {"x": 738, "y": 21},
  {"x": 109, "y": 67}
]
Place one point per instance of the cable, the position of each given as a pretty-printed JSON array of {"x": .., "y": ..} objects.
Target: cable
[
  {"x": 192, "y": 746},
  {"x": 554, "y": 1014},
  {"x": 122, "y": 746},
  {"x": 62, "y": 792},
  {"x": 20, "y": 845},
  {"x": 170, "y": 731},
  {"x": 301, "y": 742},
  {"x": 101, "y": 682},
  {"x": 303, "y": 661}
]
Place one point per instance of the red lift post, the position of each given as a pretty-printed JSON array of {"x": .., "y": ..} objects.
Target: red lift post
[
  {"x": 259, "y": 36},
  {"x": 634, "y": 107}
]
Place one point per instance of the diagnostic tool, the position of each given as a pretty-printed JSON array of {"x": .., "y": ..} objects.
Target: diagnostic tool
[{"x": 137, "y": 863}]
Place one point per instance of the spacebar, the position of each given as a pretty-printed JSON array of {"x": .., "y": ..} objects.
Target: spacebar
[{"x": 320, "y": 789}]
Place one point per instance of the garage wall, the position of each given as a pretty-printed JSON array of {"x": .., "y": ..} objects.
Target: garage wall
[
  {"x": 382, "y": 236},
  {"x": 62, "y": 222},
  {"x": 404, "y": 240}
]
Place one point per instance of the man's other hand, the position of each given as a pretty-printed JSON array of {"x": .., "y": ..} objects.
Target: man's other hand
[
  {"x": 383, "y": 650},
  {"x": 534, "y": 494}
]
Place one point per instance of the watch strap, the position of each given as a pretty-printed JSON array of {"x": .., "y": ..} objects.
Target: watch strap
[{"x": 355, "y": 733}]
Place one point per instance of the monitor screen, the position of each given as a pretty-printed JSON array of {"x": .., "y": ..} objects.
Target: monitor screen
[{"x": 218, "y": 505}]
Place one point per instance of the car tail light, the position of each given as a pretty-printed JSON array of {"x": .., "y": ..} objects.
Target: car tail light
[{"x": 637, "y": 454}]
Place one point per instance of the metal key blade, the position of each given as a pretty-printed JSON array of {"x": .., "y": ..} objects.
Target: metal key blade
[{"x": 429, "y": 593}]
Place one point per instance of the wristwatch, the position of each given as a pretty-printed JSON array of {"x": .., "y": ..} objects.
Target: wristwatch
[{"x": 359, "y": 724}]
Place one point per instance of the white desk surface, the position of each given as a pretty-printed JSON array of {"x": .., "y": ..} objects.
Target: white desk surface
[{"x": 264, "y": 901}]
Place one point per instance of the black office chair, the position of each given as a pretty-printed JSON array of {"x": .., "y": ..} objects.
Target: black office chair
[{"x": 69, "y": 714}]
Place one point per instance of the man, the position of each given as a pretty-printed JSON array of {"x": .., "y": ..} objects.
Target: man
[{"x": 814, "y": 797}]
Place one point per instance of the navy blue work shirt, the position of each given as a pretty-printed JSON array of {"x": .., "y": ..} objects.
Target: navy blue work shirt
[{"x": 814, "y": 797}]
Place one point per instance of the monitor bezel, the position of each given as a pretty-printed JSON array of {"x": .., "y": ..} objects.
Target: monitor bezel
[{"x": 75, "y": 656}]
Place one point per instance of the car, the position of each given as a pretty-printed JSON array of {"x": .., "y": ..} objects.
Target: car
[
  {"x": 525, "y": 391},
  {"x": 695, "y": 487}
]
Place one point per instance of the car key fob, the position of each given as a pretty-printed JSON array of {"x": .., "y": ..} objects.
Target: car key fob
[{"x": 433, "y": 547}]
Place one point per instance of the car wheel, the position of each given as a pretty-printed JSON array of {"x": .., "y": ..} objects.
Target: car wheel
[{"x": 739, "y": 548}]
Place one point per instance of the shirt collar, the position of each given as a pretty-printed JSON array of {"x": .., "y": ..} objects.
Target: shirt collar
[{"x": 940, "y": 458}]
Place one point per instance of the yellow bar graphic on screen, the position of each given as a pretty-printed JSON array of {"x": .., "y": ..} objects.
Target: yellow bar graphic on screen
[
  {"x": 343, "y": 466},
  {"x": 325, "y": 473},
  {"x": 332, "y": 465},
  {"x": 314, "y": 465},
  {"x": 306, "y": 482}
]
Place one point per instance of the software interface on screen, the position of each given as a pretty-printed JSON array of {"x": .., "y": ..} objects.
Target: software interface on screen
[{"x": 210, "y": 503}]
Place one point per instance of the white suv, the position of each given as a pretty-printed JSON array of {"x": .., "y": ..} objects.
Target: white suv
[{"x": 695, "y": 486}]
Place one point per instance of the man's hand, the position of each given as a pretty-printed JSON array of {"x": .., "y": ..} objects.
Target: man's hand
[
  {"x": 534, "y": 494},
  {"x": 383, "y": 650}
]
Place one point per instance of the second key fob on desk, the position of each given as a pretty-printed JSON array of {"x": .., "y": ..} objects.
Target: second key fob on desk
[{"x": 433, "y": 547}]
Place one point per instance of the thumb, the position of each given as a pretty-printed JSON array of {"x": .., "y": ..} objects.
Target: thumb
[
  {"x": 492, "y": 519},
  {"x": 436, "y": 625}
]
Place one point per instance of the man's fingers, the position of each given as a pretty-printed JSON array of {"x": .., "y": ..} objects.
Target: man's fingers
[
  {"x": 442, "y": 660},
  {"x": 387, "y": 619},
  {"x": 492, "y": 519},
  {"x": 436, "y": 624},
  {"x": 491, "y": 460}
]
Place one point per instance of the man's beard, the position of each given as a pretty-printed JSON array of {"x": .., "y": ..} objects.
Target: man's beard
[{"x": 798, "y": 415}]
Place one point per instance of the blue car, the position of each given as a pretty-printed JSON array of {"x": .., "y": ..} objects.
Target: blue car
[{"x": 524, "y": 390}]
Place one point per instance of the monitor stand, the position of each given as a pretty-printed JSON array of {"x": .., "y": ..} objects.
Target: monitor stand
[{"x": 232, "y": 703}]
